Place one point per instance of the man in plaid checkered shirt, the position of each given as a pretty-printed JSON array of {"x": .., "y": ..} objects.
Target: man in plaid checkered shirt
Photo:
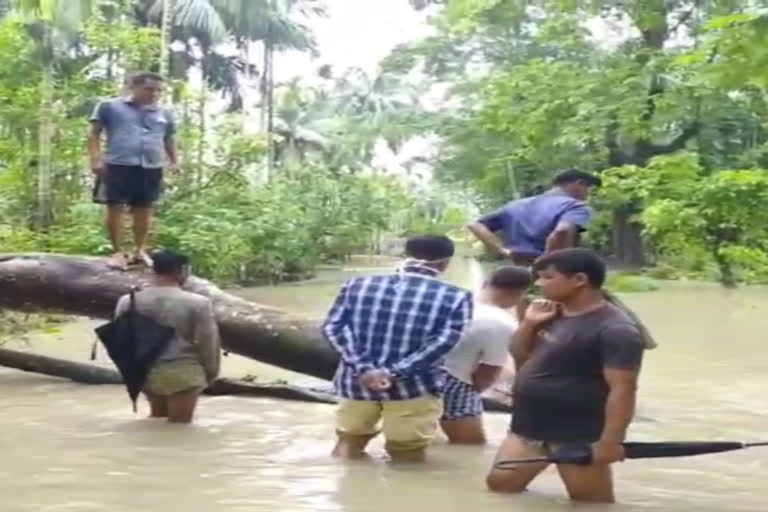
[{"x": 392, "y": 333}]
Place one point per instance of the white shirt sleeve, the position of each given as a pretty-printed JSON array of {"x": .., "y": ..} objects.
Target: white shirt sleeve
[{"x": 496, "y": 344}]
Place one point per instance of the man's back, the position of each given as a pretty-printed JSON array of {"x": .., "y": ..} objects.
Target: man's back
[
  {"x": 526, "y": 223},
  {"x": 393, "y": 321},
  {"x": 189, "y": 314}
]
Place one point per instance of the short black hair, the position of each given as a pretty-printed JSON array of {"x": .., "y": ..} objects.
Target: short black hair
[
  {"x": 573, "y": 175},
  {"x": 429, "y": 247},
  {"x": 143, "y": 76},
  {"x": 574, "y": 261},
  {"x": 511, "y": 278},
  {"x": 166, "y": 262}
]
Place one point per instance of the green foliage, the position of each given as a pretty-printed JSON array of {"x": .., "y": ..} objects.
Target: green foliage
[
  {"x": 696, "y": 221},
  {"x": 630, "y": 283},
  {"x": 534, "y": 88},
  {"x": 19, "y": 326},
  {"x": 237, "y": 225}
]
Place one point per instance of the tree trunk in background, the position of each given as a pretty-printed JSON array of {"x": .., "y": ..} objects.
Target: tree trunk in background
[
  {"x": 269, "y": 54},
  {"x": 201, "y": 121},
  {"x": 627, "y": 238},
  {"x": 166, "y": 29},
  {"x": 46, "y": 128}
]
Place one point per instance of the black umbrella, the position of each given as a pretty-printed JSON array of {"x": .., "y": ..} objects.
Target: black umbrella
[
  {"x": 134, "y": 342},
  {"x": 583, "y": 454}
]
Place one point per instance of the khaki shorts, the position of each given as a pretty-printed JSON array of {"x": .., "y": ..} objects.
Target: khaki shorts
[
  {"x": 175, "y": 376},
  {"x": 407, "y": 424}
]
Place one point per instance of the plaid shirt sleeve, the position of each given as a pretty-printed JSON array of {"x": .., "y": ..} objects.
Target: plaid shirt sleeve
[
  {"x": 440, "y": 343},
  {"x": 338, "y": 333}
]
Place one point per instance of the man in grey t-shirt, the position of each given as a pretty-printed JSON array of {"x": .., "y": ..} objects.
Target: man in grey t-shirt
[
  {"x": 140, "y": 143},
  {"x": 578, "y": 359},
  {"x": 192, "y": 359}
]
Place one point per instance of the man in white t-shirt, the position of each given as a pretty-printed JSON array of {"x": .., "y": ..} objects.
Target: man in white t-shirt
[{"x": 476, "y": 362}]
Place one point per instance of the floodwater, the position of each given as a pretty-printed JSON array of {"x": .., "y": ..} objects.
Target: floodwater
[{"x": 74, "y": 448}]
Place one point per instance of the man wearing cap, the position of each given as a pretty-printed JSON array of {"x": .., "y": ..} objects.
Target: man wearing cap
[{"x": 530, "y": 227}]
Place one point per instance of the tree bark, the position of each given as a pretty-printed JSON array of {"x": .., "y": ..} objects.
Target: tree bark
[
  {"x": 45, "y": 150},
  {"x": 627, "y": 238},
  {"x": 166, "y": 29},
  {"x": 85, "y": 286},
  {"x": 95, "y": 375}
]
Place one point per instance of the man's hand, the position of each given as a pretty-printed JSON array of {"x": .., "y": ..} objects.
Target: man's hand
[
  {"x": 540, "y": 311},
  {"x": 172, "y": 167},
  {"x": 98, "y": 167},
  {"x": 376, "y": 380},
  {"x": 607, "y": 452}
]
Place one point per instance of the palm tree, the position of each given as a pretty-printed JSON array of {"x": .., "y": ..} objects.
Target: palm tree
[
  {"x": 197, "y": 18},
  {"x": 50, "y": 22},
  {"x": 280, "y": 25}
]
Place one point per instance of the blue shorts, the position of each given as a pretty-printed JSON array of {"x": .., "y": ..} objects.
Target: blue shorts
[{"x": 460, "y": 400}]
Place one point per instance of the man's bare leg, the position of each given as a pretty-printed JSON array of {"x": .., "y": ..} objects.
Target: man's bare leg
[
  {"x": 514, "y": 480},
  {"x": 142, "y": 222},
  {"x": 464, "y": 430},
  {"x": 115, "y": 231},
  {"x": 416, "y": 455},
  {"x": 158, "y": 405},
  {"x": 593, "y": 483},
  {"x": 181, "y": 406},
  {"x": 351, "y": 447}
]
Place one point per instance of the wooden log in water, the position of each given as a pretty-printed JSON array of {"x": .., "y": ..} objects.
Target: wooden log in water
[
  {"x": 92, "y": 374},
  {"x": 86, "y": 286}
]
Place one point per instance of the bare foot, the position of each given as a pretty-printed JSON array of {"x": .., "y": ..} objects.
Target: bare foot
[
  {"x": 117, "y": 261},
  {"x": 142, "y": 258}
]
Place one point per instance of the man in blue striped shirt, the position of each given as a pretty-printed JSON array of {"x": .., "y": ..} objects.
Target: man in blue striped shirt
[{"x": 392, "y": 333}]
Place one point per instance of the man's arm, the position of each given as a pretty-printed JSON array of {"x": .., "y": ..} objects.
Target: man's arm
[
  {"x": 562, "y": 237},
  {"x": 487, "y": 236},
  {"x": 439, "y": 344},
  {"x": 620, "y": 404},
  {"x": 171, "y": 147},
  {"x": 485, "y": 227},
  {"x": 622, "y": 350},
  {"x": 485, "y": 375},
  {"x": 571, "y": 222},
  {"x": 523, "y": 343},
  {"x": 94, "y": 147},
  {"x": 338, "y": 333},
  {"x": 206, "y": 337},
  {"x": 99, "y": 120}
]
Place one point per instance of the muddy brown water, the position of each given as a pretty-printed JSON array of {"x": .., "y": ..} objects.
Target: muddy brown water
[{"x": 74, "y": 448}]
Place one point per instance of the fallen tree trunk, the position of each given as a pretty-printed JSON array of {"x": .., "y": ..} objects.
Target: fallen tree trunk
[
  {"x": 93, "y": 374},
  {"x": 86, "y": 286}
]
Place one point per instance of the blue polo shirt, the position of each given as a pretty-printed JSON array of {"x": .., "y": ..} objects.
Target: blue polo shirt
[
  {"x": 136, "y": 134},
  {"x": 524, "y": 224}
]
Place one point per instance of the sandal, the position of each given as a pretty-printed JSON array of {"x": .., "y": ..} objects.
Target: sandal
[
  {"x": 117, "y": 262},
  {"x": 142, "y": 258}
]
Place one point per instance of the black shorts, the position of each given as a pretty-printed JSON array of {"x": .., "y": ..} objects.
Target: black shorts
[{"x": 127, "y": 184}]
